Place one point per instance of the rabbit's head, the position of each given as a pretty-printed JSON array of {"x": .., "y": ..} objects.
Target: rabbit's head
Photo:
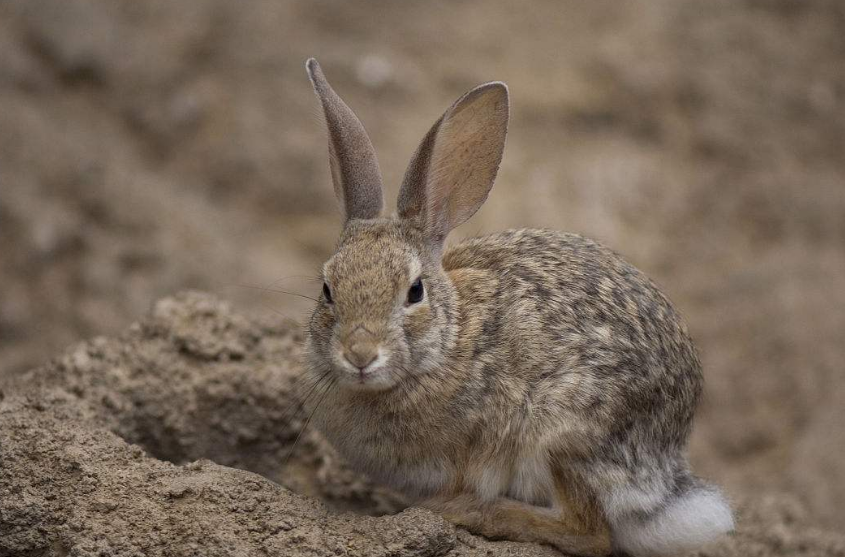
[{"x": 388, "y": 310}]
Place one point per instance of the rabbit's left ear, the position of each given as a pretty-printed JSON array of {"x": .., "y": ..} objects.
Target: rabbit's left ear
[{"x": 454, "y": 167}]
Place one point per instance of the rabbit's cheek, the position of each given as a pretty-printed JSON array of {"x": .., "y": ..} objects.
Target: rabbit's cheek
[
  {"x": 423, "y": 338},
  {"x": 322, "y": 324},
  {"x": 418, "y": 321}
]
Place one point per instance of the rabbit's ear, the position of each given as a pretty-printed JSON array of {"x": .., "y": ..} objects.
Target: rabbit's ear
[
  {"x": 355, "y": 170},
  {"x": 453, "y": 169}
]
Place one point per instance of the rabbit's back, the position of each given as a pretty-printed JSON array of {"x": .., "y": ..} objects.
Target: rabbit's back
[{"x": 587, "y": 334}]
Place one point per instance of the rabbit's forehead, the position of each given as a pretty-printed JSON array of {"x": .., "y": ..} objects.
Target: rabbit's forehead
[{"x": 374, "y": 263}]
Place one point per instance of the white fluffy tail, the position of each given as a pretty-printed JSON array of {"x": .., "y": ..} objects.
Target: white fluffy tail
[{"x": 689, "y": 520}]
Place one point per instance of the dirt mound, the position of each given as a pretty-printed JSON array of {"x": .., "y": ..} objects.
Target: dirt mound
[
  {"x": 108, "y": 450},
  {"x": 72, "y": 488}
]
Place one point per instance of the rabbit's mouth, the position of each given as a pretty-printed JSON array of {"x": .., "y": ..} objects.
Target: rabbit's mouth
[{"x": 376, "y": 375}]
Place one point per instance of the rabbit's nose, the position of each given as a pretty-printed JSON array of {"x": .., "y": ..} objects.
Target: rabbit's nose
[
  {"x": 360, "y": 347},
  {"x": 361, "y": 354}
]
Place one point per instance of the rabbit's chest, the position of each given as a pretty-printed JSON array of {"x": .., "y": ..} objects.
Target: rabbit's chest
[
  {"x": 392, "y": 461},
  {"x": 419, "y": 463},
  {"x": 408, "y": 459}
]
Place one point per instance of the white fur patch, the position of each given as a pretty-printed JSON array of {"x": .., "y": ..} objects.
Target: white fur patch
[
  {"x": 532, "y": 480},
  {"x": 623, "y": 501},
  {"x": 529, "y": 481},
  {"x": 693, "y": 519},
  {"x": 603, "y": 332},
  {"x": 490, "y": 481},
  {"x": 414, "y": 269}
]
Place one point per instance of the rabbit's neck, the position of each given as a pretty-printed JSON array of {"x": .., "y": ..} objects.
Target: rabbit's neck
[{"x": 406, "y": 437}]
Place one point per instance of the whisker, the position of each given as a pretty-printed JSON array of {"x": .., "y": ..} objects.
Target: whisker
[
  {"x": 400, "y": 376},
  {"x": 325, "y": 392},
  {"x": 222, "y": 284},
  {"x": 414, "y": 379},
  {"x": 277, "y": 312},
  {"x": 403, "y": 377},
  {"x": 277, "y": 291},
  {"x": 301, "y": 402},
  {"x": 311, "y": 278}
]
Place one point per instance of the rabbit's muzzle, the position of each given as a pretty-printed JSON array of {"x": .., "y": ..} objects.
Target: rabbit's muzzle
[
  {"x": 360, "y": 348},
  {"x": 361, "y": 359}
]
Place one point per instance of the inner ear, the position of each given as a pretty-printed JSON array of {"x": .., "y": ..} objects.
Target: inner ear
[{"x": 453, "y": 169}]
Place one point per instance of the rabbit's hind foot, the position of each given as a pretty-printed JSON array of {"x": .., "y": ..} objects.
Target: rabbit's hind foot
[{"x": 507, "y": 519}]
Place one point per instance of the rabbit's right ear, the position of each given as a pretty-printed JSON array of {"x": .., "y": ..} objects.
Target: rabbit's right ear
[
  {"x": 355, "y": 171},
  {"x": 454, "y": 167}
]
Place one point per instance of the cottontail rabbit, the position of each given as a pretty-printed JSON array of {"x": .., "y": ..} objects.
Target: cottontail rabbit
[{"x": 529, "y": 385}]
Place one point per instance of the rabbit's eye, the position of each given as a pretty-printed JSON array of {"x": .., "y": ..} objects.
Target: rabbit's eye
[
  {"x": 415, "y": 293},
  {"x": 327, "y": 293}
]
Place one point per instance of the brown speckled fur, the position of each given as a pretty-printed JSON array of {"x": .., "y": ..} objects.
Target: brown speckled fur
[{"x": 543, "y": 390}]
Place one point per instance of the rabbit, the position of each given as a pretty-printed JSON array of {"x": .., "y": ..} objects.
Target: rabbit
[{"x": 529, "y": 385}]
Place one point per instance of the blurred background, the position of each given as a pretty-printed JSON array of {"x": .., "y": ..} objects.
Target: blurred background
[{"x": 151, "y": 146}]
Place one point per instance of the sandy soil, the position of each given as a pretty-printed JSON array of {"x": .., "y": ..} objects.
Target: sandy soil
[
  {"x": 196, "y": 381},
  {"x": 150, "y": 147}
]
